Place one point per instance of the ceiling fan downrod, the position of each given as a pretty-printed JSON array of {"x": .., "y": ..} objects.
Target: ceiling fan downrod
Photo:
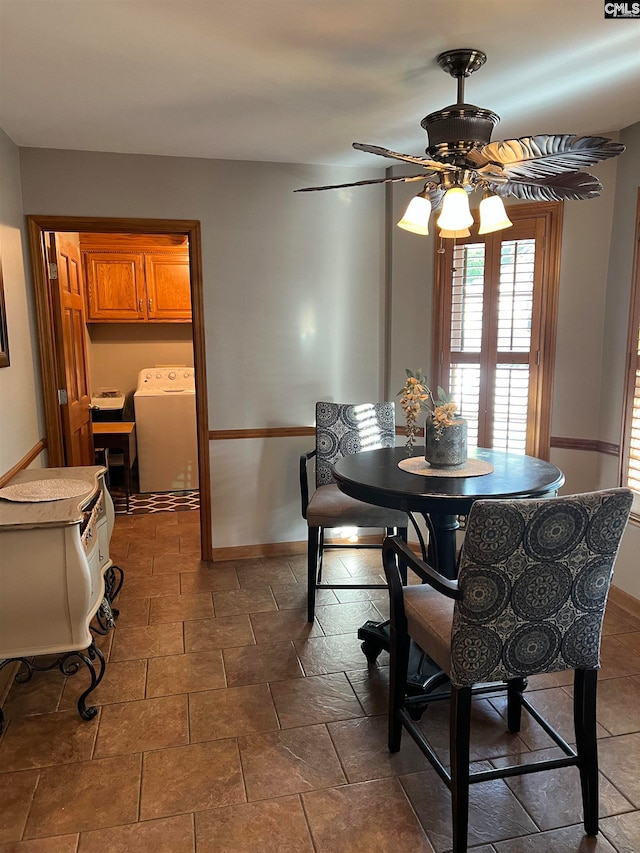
[
  {"x": 460, "y": 64},
  {"x": 454, "y": 131}
]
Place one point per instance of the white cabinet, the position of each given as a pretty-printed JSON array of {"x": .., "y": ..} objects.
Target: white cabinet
[{"x": 54, "y": 556}]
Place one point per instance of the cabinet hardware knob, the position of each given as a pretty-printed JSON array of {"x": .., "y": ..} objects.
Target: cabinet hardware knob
[
  {"x": 150, "y": 305},
  {"x": 140, "y": 305}
]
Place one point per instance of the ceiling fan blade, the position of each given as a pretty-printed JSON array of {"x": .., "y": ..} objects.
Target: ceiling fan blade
[
  {"x": 432, "y": 165},
  {"x": 573, "y": 186},
  {"x": 407, "y": 178},
  {"x": 546, "y": 155}
]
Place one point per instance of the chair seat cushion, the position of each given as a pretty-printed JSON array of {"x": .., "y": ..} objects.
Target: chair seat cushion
[
  {"x": 329, "y": 507},
  {"x": 429, "y": 618}
]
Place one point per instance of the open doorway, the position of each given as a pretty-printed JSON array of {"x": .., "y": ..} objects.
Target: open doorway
[{"x": 56, "y": 322}]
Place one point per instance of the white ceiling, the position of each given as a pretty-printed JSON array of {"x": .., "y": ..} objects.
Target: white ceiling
[{"x": 299, "y": 80}]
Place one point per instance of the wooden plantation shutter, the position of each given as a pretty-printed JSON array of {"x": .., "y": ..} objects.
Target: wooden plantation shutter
[
  {"x": 631, "y": 437},
  {"x": 633, "y": 468},
  {"x": 494, "y": 318}
]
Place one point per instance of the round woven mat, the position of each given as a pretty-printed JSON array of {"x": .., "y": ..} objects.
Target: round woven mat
[
  {"x": 471, "y": 468},
  {"x": 45, "y": 490}
]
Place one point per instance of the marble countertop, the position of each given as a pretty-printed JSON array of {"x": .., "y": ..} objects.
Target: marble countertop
[{"x": 50, "y": 513}]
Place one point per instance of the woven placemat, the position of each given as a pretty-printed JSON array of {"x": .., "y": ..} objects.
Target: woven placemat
[
  {"x": 45, "y": 490},
  {"x": 471, "y": 468}
]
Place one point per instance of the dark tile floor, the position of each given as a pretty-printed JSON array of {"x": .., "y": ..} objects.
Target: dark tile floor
[{"x": 229, "y": 724}]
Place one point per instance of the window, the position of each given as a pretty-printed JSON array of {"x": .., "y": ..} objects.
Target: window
[
  {"x": 631, "y": 438},
  {"x": 494, "y": 328}
]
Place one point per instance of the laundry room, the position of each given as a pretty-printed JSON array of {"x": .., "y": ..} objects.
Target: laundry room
[{"x": 139, "y": 342}]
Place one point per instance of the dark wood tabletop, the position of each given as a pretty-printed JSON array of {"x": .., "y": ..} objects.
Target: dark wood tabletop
[{"x": 373, "y": 476}]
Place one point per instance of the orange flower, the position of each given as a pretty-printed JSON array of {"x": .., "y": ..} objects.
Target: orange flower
[{"x": 415, "y": 397}]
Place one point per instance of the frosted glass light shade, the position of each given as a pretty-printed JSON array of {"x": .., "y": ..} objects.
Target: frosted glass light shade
[
  {"x": 455, "y": 215},
  {"x": 416, "y": 216},
  {"x": 464, "y": 232},
  {"x": 493, "y": 216}
]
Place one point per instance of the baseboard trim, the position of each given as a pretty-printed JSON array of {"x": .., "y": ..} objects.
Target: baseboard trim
[
  {"x": 625, "y": 601},
  {"x": 282, "y": 549},
  {"x": 246, "y": 552},
  {"x": 26, "y": 460}
]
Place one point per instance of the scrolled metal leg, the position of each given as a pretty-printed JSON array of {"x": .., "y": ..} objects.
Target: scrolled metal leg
[
  {"x": 94, "y": 652},
  {"x": 113, "y": 580},
  {"x": 105, "y": 618},
  {"x": 68, "y": 664}
]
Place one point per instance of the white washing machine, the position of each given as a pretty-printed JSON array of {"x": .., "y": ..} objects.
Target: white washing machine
[{"x": 165, "y": 408}]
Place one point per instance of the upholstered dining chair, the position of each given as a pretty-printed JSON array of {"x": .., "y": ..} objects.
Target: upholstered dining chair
[
  {"x": 532, "y": 586},
  {"x": 342, "y": 429}
]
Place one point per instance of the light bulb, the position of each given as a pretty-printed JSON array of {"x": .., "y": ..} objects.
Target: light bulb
[
  {"x": 455, "y": 215},
  {"x": 416, "y": 216},
  {"x": 493, "y": 216}
]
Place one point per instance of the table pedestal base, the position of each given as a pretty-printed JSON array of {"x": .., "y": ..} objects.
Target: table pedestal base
[{"x": 423, "y": 674}]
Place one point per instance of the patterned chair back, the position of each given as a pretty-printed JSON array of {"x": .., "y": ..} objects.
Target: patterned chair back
[
  {"x": 534, "y": 576},
  {"x": 343, "y": 429}
]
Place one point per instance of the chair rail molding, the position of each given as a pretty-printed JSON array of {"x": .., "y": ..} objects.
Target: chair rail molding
[{"x": 26, "y": 460}]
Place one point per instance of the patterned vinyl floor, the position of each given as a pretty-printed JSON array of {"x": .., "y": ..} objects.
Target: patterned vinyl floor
[{"x": 156, "y": 502}]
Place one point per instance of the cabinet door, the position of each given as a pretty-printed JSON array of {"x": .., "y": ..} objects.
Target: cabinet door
[
  {"x": 168, "y": 286},
  {"x": 115, "y": 286}
]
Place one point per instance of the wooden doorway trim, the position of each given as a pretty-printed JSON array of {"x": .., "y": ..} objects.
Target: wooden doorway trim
[{"x": 37, "y": 226}]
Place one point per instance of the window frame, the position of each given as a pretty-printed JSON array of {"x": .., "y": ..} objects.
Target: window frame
[
  {"x": 547, "y": 227},
  {"x": 632, "y": 363}
]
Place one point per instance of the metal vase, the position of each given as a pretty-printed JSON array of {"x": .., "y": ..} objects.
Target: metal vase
[{"x": 446, "y": 448}]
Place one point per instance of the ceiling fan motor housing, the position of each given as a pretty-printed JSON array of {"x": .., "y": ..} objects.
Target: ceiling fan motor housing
[{"x": 454, "y": 131}]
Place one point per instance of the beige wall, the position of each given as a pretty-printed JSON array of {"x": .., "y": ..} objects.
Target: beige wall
[
  {"x": 294, "y": 304},
  {"x": 119, "y": 351},
  {"x": 293, "y": 297},
  {"x": 611, "y": 392},
  {"x": 595, "y": 279},
  {"x": 21, "y": 418}
]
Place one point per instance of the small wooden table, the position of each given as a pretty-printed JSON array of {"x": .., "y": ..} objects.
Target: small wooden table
[{"x": 118, "y": 435}]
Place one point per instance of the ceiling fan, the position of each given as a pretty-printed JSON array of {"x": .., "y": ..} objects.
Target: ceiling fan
[{"x": 461, "y": 158}]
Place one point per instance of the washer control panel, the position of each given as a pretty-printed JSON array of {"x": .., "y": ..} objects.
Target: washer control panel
[{"x": 171, "y": 379}]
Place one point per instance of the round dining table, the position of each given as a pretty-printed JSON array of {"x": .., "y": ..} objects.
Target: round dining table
[{"x": 375, "y": 476}]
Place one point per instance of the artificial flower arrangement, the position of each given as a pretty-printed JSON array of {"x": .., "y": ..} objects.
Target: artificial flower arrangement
[{"x": 416, "y": 397}]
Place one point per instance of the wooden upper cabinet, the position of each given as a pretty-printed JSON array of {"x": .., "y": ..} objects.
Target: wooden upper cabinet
[
  {"x": 150, "y": 284},
  {"x": 115, "y": 286},
  {"x": 168, "y": 286}
]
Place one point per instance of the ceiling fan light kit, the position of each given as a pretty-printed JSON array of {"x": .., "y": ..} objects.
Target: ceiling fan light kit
[
  {"x": 493, "y": 216},
  {"x": 455, "y": 215},
  {"x": 416, "y": 216},
  {"x": 461, "y": 158}
]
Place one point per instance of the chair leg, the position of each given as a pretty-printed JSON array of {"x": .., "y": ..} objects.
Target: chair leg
[
  {"x": 398, "y": 666},
  {"x": 515, "y": 689},
  {"x": 584, "y": 714},
  {"x": 402, "y": 532},
  {"x": 312, "y": 570},
  {"x": 459, "y": 733},
  {"x": 320, "y": 555}
]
